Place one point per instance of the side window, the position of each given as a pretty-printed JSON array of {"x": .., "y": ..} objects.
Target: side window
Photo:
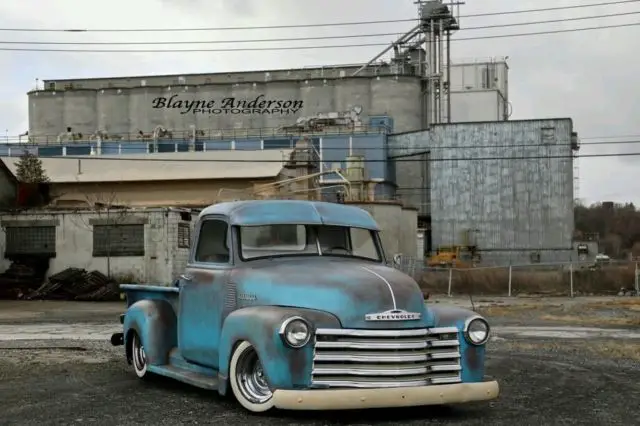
[{"x": 212, "y": 242}]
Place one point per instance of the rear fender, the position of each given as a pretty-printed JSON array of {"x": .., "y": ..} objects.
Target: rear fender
[
  {"x": 284, "y": 367},
  {"x": 156, "y": 323}
]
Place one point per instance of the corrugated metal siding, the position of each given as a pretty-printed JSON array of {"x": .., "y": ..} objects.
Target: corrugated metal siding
[
  {"x": 412, "y": 177},
  {"x": 516, "y": 205}
]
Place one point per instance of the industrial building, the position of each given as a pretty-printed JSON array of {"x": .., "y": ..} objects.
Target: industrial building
[
  {"x": 418, "y": 86},
  {"x": 263, "y": 101},
  {"x": 183, "y": 179},
  {"x": 504, "y": 187},
  {"x": 416, "y": 128},
  {"x": 8, "y": 187},
  {"x": 146, "y": 245}
]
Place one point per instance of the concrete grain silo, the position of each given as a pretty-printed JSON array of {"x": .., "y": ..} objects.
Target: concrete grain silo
[
  {"x": 178, "y": 119},
  {"x": 204, "y": 120},
  {"x": 80, "y": 111},
  {"x": 113, "y": 115},
  {"x": 287, "y": 91},
  {"x": 46, "y": 115}
]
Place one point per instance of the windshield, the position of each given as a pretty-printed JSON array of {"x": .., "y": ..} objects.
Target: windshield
[{"x": 305, "y": 240}]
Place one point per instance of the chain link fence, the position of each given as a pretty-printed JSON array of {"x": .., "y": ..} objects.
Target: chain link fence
[{"x": 553, "y": 279}]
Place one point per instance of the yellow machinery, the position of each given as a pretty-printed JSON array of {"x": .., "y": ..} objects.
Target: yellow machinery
[
  {"x": 465, "y": 255},
  {"x": 454, "y": 257}
]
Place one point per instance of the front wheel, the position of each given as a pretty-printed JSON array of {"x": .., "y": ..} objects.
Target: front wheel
[
  {"x": 248, "y": 381},
  {"x": 138, "y": 356}
]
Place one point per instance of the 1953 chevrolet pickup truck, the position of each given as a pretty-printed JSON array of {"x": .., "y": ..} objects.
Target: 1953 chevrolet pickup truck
[{"x": 292, "y": 305}]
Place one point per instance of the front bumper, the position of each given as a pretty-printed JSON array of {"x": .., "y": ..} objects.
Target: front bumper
[{"x": 353, "y": 399}]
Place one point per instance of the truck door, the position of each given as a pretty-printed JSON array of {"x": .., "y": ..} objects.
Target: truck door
[{"x": 202, "y": 293}]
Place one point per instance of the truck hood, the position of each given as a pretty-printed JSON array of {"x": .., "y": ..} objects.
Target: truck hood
[{"x": 347, "y": 289}]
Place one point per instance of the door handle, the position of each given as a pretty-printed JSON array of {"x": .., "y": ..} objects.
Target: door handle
[{"x": 186, "y": 277}]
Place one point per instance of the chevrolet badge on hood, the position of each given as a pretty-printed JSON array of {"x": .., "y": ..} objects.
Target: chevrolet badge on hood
[{"x": 393, "y": 315}]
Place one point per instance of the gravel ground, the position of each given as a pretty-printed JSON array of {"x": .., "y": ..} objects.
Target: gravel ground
[{"x": 543, "y": 382}]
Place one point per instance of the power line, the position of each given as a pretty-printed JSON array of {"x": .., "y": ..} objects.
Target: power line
[
  {"x": 339, "y": 46},
  {"x": 611, "y": 137},
  {"x": 271, "y": 40},
  {"x": 124, "y": 146},
  {"x": 397, "y": 160},
  {"x": 330, "y": 24}
]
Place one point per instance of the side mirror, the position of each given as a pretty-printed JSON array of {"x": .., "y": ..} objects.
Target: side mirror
[{"x": 397, "y": 260}]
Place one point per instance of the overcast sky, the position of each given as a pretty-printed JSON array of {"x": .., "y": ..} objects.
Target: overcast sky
[{"x": 590, "y": 76}]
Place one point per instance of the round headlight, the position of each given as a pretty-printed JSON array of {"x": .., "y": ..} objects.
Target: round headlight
[
  {"x": 477, "y": 331},
  {"x": 295, "y": 332}
]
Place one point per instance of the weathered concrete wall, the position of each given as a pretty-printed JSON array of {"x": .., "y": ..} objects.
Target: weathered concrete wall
[
  {"x": 511, "y": 181},
  {"x": 409, "y": 232},
  {"x": 176, "y": 193},
  {"x": 162, "y": 262},
  {"x": 127, "y": 110}
]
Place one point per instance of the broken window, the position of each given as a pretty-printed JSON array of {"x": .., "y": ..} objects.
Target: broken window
[
  {"x": 118, "y": 240},
  {"x": 35, "y": 240},
  {"x": 184, "y": 235}
]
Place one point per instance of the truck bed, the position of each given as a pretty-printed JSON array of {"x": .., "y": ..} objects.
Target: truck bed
[{"x": 136, "y": 292}]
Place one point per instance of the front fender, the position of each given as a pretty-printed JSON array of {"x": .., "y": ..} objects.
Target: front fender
[
  {"x": 284, "y": 367},
  {"x": 155, "y": 322},
  {"x": 472, "y": 357}
]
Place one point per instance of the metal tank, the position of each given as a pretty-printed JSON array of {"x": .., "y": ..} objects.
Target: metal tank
[
  {"x": 80, "y": 111},
  {"x": 349, "y": 93},
  {"x": 113, "y": 115},
  {"x": 207, "y": 119},
  {"x": 180, "y": 115},
  {"x": 398, "y": 97},
  {"x": 46, "y": 115}
]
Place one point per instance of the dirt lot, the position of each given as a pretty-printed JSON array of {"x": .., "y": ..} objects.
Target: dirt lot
[{"x": 545, "y": 381}]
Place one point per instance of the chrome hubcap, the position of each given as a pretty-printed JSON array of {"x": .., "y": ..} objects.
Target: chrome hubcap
[
  {"x": 139, "y": 356},
  {"x": 251, "y": 378}
]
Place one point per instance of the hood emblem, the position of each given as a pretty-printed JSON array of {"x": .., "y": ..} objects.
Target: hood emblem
[{"x": 393, "y": 315}]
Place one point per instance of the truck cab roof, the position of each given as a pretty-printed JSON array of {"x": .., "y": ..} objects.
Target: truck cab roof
[{"x": 272, "y": 212}]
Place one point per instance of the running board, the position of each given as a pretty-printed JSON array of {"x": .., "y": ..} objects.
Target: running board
[{"x": 190, "y": 377}]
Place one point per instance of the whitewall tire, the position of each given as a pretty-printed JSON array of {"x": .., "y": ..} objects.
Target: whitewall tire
[
  {"x": 138, "y": 356},
  {"x": 248, "y": 381}
]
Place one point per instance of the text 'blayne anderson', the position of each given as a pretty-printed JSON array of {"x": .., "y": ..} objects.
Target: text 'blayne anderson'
[{"x": 259, "y": 105}]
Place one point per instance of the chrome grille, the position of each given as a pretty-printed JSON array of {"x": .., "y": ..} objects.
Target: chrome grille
[{"x": 349, "y": 358}]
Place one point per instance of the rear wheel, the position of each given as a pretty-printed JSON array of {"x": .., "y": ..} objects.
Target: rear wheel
[
  {"x": 248, "y": 381},
  {"x": 138, "y": 356}
]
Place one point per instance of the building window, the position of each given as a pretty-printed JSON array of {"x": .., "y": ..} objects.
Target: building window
[
  {"x": 118, "y": 240},
  {"x": 32, "y": 240},
  {"x": 488, "y": 77},
  {"x": 184, "y": 235},
  {"x": 548, "y": 135},
  {"x": 534, "y": 257}
]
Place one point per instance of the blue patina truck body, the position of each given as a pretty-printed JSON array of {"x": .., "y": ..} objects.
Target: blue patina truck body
[{"x": 293, "y": 305}]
